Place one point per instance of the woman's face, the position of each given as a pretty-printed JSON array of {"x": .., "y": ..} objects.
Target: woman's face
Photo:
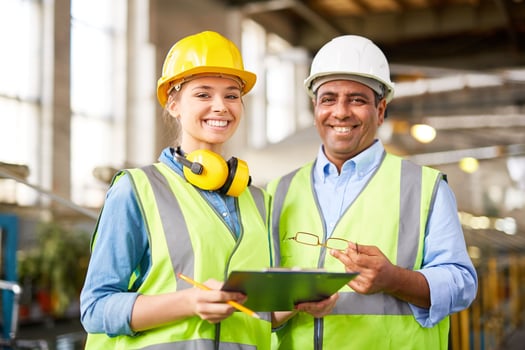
[{"x": 209, "y": 110}]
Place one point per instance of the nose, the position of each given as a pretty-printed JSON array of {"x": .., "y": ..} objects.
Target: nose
[
  {"x": 340, "y": 110},
  {"x": 219, "y": 106}
]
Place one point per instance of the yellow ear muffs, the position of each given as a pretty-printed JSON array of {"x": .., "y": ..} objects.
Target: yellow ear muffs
[
  {"x": 238, "y": 177},
  {"x": 214, "y": 170},
  {"x": 208, "y": 171}
]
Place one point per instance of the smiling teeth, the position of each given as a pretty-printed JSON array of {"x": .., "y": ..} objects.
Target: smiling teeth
[
  {"x": 341, "y": 129},
  {"x": 217, "y": 122}
]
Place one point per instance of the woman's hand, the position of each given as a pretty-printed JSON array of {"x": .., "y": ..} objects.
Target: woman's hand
[
  {"x": 151, "y": 311},
  {"x": 211, "y": 305},
  {"x": 319, "y": 308}
]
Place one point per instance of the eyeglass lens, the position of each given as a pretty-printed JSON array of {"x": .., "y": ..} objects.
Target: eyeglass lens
[{"x": 311, "y": 239}]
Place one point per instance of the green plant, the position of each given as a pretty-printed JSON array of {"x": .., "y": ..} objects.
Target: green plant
[{"x": 56, "y": 265}]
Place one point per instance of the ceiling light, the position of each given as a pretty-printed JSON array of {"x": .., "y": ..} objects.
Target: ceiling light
[
  {"x": 423, "y": 133},
  {"x": 516, "y": 168},
  {"x": 507, "y": 225},
  {"x": 469, "y": 164}
]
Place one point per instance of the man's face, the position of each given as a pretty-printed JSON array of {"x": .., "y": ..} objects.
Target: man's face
[{"x": 347, "y": 118}]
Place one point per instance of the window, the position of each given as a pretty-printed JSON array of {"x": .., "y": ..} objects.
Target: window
[
  {"x": 20, "y": 90},
  {"x": 97, "y": 95},
  {"x": 278, "y": 100},
  {"x": 97, "y": 74}
]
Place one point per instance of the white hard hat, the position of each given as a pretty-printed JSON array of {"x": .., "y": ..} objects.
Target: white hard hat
[{"x": 351, "y": 57}]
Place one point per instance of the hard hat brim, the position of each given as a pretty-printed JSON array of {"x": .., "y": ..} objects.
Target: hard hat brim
[{"x": 309, "y": 82}]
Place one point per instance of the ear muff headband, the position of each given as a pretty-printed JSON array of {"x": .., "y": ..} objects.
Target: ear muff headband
[{"x": 209, "y": 171}]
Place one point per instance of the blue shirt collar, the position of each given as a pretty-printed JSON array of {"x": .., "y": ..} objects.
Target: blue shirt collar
[
  {"x": 168, "y": 158},
  {"x": 361, "y": 164}
]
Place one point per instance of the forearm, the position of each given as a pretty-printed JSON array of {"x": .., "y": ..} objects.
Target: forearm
[
  {"x": 150, "y": 311},
  {"x": 409, "y": 286}
]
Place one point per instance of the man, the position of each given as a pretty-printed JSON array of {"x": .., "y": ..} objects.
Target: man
[{"x": 400, "y": 219}]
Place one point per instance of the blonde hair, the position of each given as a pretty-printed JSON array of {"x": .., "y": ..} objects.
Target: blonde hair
[{"x": 174, "y": 128}]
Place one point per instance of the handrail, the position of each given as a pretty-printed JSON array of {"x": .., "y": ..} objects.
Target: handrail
[{"x": 51, "y": 195}]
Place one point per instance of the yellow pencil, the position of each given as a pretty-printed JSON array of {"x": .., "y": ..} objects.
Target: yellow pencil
[{"x": 235, "y": 304}]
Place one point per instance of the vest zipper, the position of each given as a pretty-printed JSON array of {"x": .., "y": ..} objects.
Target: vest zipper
[
  {"x": 217, "y": 341},
  {"x": 318, "y": 334}
]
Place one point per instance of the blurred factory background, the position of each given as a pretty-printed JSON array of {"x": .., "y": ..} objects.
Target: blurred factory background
[{"x": 77, "y": 101}]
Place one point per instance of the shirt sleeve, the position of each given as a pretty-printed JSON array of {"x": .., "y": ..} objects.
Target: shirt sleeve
[
  {"x": 120, "y": 249},
  {"x": 447, "y": 267}
]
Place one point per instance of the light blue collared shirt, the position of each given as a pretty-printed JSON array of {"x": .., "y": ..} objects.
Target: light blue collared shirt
[
  {"x": 446, "y": 265},
  {"x": 122, "y": 246}
]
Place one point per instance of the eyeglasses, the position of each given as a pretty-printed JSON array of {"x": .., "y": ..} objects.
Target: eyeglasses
[{"x": 313, "y": 240}]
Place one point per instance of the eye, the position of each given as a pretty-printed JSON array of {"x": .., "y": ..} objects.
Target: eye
[
  {"x": 202, "y": 95},
  {"x": 358, "y": 100},
  {"x": 327, "y": 100},
  {"x": 232, "y": 96}
]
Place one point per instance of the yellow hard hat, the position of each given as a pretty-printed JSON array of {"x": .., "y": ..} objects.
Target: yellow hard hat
[{"x": 205, "y": 52}]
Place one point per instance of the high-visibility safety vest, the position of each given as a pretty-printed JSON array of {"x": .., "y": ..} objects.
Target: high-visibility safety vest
[
  {"x": 391, "y": 213},
  {"x": 187, "y": 235}
]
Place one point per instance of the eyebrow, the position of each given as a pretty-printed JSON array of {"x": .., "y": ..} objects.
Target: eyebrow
[
  {"x": 209, "y": 87},
  {"x": 351, "y": 94}
]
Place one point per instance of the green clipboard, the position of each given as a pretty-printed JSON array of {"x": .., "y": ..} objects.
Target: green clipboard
[{"x": 280, "y": 289}]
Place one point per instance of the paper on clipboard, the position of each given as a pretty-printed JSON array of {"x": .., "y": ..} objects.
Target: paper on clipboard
[{"x": 280, "y": 289}]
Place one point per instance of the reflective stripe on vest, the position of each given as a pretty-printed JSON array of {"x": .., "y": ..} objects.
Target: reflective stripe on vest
[
  {"x": 199, "y": 344},
  {"x": 277, "y": 207},
  {"x": 171, "y": 216}
]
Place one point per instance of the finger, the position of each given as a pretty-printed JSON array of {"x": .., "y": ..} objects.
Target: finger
[
  {"x": 213, "y": 284},
  {"x": 318, "y": 305},
  {"x": 321, "y": 308},
  {"x": 340, "y": 255},
  {"x": 217, "y": 296},
  {"x": 347, "y": 258},
  {"x": 354, "y": 246},
  {"x": 214, "y": 311},
  {"x": 366, "y": 249}
]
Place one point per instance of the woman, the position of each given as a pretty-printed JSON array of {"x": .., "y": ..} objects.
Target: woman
[{"x": 191, "y": 213}]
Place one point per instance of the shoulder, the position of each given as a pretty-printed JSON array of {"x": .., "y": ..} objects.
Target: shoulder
[{"x": 305, "y": 169}]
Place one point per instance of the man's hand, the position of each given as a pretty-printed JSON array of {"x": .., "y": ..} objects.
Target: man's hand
[{"x": 378, "y": 274}]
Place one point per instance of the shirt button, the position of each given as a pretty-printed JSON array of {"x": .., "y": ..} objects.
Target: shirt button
[{"x": 224, "y": 214}]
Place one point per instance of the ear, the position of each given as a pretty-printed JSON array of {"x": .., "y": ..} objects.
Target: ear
[
  {"x": 173, "y": 107},
  {"x": 381, "y": 110}
]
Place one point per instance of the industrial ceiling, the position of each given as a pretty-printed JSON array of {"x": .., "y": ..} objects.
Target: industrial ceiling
[{"x": 475, "y": 46}]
